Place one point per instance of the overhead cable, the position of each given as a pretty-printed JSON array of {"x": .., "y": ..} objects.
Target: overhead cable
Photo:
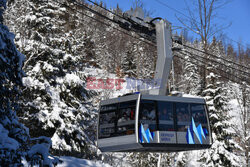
[
  {"x": 109, "y": 25},
  {"x": 213, "y": 70},
  {"x": 111, "y": 11},
  {"x": 107, "y": 18},
  {"x": 216, "y": 56},
  {"x": 211, "y": 60}
]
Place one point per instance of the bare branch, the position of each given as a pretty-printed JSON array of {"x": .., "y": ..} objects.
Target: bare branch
[{"x": 188, "y": 27}]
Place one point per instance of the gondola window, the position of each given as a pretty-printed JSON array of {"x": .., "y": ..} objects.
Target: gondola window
[
  {"x": 107, "y": 121},
  {"x": 165, "y": 115},
  {"x": 147, "y": 115},
  {"x": 125, "y": 120},
  {"x": 183, "y": 116}
]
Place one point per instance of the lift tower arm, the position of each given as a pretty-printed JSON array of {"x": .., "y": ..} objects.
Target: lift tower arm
[
  {"x": 164, "y": 47},
  {"x": 164, "y": 57}
]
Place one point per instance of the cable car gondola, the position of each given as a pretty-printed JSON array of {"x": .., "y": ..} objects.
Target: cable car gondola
[{"x": 153, "y": 123}]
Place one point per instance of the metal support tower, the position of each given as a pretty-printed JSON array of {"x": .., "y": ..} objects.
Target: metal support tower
[{"x": 164, "y": 57}]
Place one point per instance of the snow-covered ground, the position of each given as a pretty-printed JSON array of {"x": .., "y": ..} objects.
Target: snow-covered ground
[{"x": 76, "y": 162}]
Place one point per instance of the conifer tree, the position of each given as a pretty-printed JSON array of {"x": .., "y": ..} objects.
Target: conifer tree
[
  {"x": 16, "y": 146},
  {"x": 190, "y": 82},
  {"x": 56, "y": 103},
  {"x": 241, "y": 110},
  {"x": 13, "y": 135},
  {"x": 220, "y": 153},
  {"x": 129, "y": 65}
]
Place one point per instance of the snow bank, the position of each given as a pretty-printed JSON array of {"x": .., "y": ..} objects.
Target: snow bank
[{"x": 76, "y": 162}]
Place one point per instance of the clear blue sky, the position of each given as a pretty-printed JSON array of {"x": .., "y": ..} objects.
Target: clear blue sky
[{"x": 237, "y": 12}]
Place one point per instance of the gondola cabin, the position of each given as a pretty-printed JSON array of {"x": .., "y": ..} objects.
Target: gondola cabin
[{"x": 153, "y": 123}]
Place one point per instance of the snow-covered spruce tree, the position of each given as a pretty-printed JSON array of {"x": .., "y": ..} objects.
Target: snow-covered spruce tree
[
  {"x": 129, "y": 65},
  {"x": 15, "y": 143},
  {"x": 240, "y": 102},
  {"x": 13, "y": 135},
  {"x": 145, "y": 57},
  {"x": 190, "y": 78},
  {"x": 55, "y": 102},
  {"x": 220, "y": 154},
  {"x": 217, "y": 48}
]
